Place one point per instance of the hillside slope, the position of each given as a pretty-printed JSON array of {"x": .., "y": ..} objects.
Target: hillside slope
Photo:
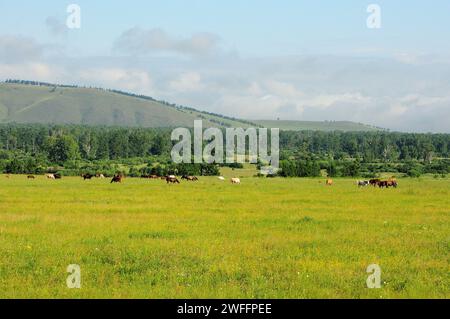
[
  {"x": 48, "y": 103},
  {"x": 318, "y": 126},
  {"x": 70, "y": 105}
]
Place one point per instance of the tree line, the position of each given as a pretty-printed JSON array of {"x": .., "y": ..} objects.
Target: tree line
[{"x": 30, "y": 148}]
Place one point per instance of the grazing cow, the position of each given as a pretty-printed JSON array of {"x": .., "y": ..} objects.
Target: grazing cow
[
  {"x": 329, "y": 182},
  {"x": 383, "y": 184},
  {"x": 190, "y": 178},
  {"x": 392, "y": 182},
  {"x": 50, "y": 176},
  {"x": 235, "y": 181},
  {"x": 58, "y": 176},
  {"x": 99, "y": 176},
  {"x": 30, "y": 177},
  {"x": 363, "y": 183},
  {"x": 172, "y": 179},
  {"x": 117, "y": 179},
  {"x": 374, "y": 182},
  {"x": 87, "y": 176},
  {"x": 221, "y": 178},
  {"x": 388, "y": 183}
]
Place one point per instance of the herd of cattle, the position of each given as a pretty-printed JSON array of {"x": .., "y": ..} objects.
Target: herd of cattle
[
  {"x": 391, "y": 182},
  {"x": 172, "y": 179}
]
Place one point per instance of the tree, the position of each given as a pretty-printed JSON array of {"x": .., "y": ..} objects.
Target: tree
[
  {"x": 351, "y": 169},
  {"x": 161, "y": 144},
  {"x": 332, "y": 169},
  {"x": 62, "y": 148}
]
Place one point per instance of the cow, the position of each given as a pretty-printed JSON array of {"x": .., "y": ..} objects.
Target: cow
[
  {"x": 374, "y": 182},
  {"x": 392, "y": 182},
  {"x": 7, "y": 176},
  {"x": 99, "y": 176},
  {"x": 383, "y": 184},
  {"x": 189, "y": 178},
  {"x": 329, "y": 182},
  {"x": 172, "y": 179},
  {"x": 50, "y": 176},
  {"x": 57, "y": 176},
  {"x": 116, "y": 179},
  {"x": 235, "y": 181},
  {"x": 30, "y": 177},
  {"x": 221, "y": 178},
  {"x": 362, "y": 183},
  {"x": 87, "y": 176},
  {"x": 153, "y": 177}
]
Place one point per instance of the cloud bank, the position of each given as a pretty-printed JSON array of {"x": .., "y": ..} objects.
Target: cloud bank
[
  {"x": 137, "y": 41},
  {"x": 402, "y": 92}
]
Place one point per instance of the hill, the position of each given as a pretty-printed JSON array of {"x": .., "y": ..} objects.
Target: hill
[
  {"x": 318, "y": 126},
  {"x": 37, "y": 102},
  {"x": 47, "y": 103}
]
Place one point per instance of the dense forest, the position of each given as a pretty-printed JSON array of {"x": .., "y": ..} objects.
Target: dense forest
[{"x": 75, "y": 149}]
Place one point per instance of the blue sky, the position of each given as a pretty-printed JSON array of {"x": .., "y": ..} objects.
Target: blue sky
[
  {"x": 254, "y": 27},
  {"x": 306, "y": 60}
]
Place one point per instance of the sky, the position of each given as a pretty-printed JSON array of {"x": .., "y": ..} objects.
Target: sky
[{"x": 253, "y": 59}]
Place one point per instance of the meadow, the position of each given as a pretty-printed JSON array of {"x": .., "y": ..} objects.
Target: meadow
[{"x": 265, "y": 238}]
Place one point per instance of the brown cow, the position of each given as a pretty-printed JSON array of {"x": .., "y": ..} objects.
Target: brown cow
[
  {"x": 172, "y": 179},
  {"x": 87, "y": 176},
  {"x": 383, "y": 184},
  {"x": 374, "y": 182},
  {"x": 190, "y": 178},
  {"x": 30, "y": 177},
  {"x": 392, "y": 182},
  {"x": 117, "y": 179},
  {"x": 388, "y": 183},
  {"x": 329, "y": 182}
]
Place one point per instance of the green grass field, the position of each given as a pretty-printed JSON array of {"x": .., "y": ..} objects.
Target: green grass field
[{"x": 265, "y": 238}]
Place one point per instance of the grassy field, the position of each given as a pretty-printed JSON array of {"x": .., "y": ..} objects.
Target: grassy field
[{"x": 265, "y": 238}]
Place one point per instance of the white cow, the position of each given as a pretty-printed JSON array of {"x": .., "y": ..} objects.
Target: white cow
[
  {"x": 50, "y": 176},
  {"x": 235, "y": 181},
  {"x": 221, "y": 178}
]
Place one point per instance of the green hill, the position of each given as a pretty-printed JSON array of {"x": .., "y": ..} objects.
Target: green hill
[
  {"x": 26, "y": 103},
  {"x": 317, "y": 126},
  {"x": 34, "y": 102}
]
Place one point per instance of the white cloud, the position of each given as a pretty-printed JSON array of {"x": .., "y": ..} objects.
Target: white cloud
[
  {"x": 187, "y": 82},
  {"x": 30, "y": 71},
  {"x": 15, "y": 49},
  {"x": 391, "y": 93},
  {"x": 131, "y": 80},
  {"x": 137, "y": 41},
  {"x": 56, "y": 27}
]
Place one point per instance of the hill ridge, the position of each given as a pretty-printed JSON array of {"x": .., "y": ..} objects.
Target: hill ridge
[{"x": 25, "y": 101}]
